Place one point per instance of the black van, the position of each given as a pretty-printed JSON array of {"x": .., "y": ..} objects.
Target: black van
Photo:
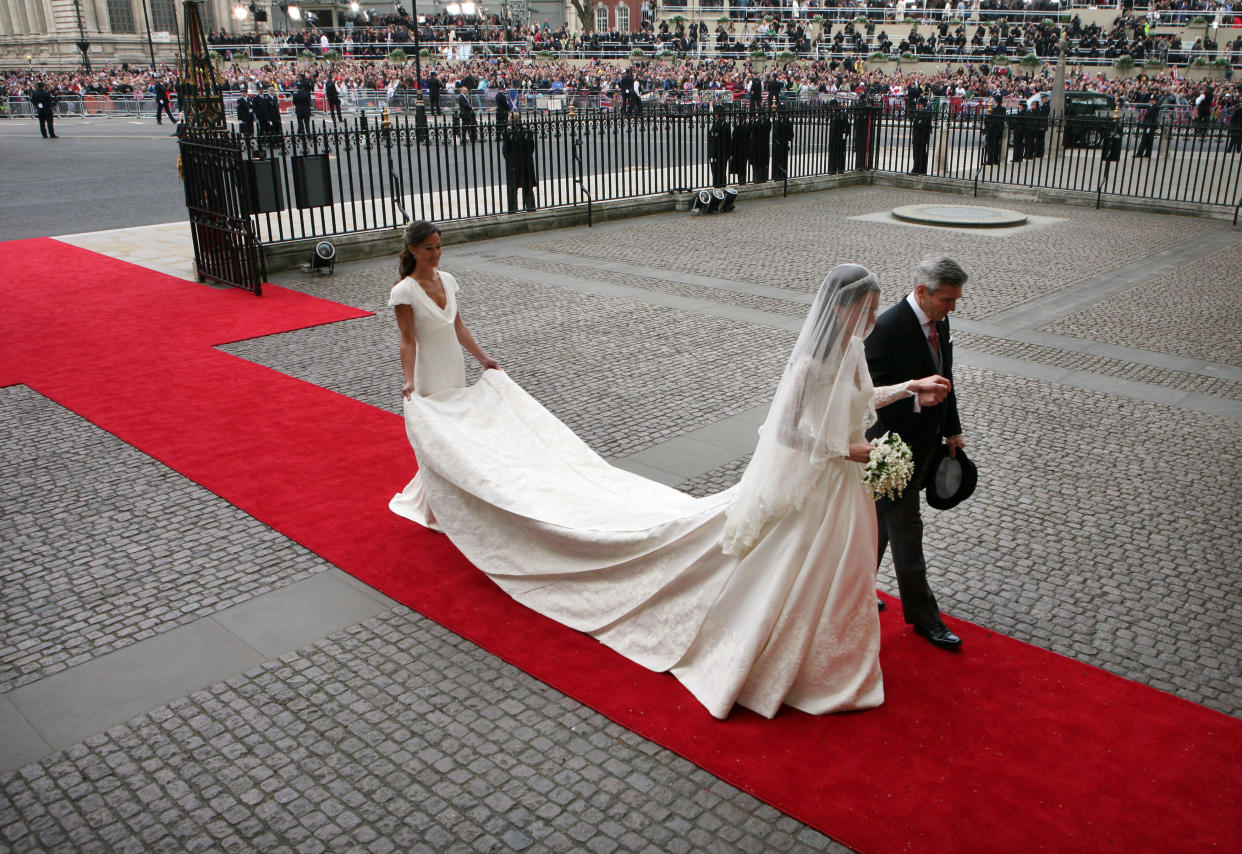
[{"x": 1089, "y": 118}]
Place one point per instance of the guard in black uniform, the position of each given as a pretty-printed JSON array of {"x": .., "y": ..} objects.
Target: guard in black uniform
[
  {"x": 45, "y": 109},
  {"x": 718, "y": 137},
  {"x": 838, "y": 137},
  {"x": 993, "y": 132},
  {"x": 434, "y": 88},
  {"x": 502, "y": 109},
  {"x": 1019, "y": 133},
  {"x": 333, "y": 96},
  {"x": 517, "y": 144},
  {"x": 760, "y": 146},
  {"x": 302, "y": 106},
  {"x": 739, "y": 151},
  {"x": 1151, "y": 119},
  {"x": 782, "y": 144},
  {"x": 920, "y": 135}
]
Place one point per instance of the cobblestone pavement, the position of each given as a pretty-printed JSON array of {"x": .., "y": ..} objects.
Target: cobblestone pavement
[
  {"x": 104, "y": 547},
  {"x": 1106, "y": 528},
  {"x": 1193, "y": 311}
]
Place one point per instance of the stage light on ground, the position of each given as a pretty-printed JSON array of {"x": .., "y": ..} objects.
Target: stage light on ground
[
  {"x": 730, "y": 198},
  {"x": 701, "y": 203},
  {"x": 323, "y": 258}
]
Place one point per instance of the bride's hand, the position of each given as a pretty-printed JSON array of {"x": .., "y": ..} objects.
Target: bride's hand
[
  {"x": 407, "y": 390},
  {"x": 931, "y": 390},
  {"x": 860, "y": 452}
]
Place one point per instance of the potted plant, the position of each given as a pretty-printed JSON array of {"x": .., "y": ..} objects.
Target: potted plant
[
  {"x": 1124, "y": 63},
  {"x": 424, "y": 52},
  {"x": 306, "y": 55},
  {"x": 1031, "y": 62},
  {"x": 332, "y": 55},
  {"x": 758, "y": 54},
  {"x": 786, "y": 56},
  {"x": 397, "y": 57},
  {"x": 1155, "y": 64},
  {"x": 909, "y": 57},
  {"x": 666, "y": 54}
]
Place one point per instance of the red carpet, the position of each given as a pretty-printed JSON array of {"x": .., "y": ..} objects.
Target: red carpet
[{"x": 1002, "y": 748}]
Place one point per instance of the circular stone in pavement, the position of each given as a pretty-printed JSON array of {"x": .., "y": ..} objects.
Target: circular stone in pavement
[{"x": 960, "y": 216}]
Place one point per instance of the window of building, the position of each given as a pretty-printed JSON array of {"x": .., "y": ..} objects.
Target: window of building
[
  {"x": 164, "y": 16},
  {"x": 120, "y": 16},
  {"x": 601, "y": 18},
  {"x": 623, "y": 18}
]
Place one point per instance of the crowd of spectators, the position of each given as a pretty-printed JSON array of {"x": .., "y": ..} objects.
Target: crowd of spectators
[
  {"x": 721, "y": 79},
  {"x": 1131, "y": 34}
]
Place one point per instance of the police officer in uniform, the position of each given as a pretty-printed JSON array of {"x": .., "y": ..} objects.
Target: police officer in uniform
[
  {"x": 302, "y": 106},
  {"x": 45, "y": 109},
  {"x": 245, "y": 115},
  {"x": 163, "y": 103}
]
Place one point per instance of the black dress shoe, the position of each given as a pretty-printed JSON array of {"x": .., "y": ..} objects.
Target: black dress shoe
[
  {"x": 939, "y": 636},
  {"x": 880, "y": 604}
]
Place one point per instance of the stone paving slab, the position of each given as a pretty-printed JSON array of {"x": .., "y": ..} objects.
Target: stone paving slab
[
  {"x": 393, "y": 735},
  {"x": 1195, "y": 311},
  {"x": 1107, "y": 367},
  {"x": 103, "y": 547}
]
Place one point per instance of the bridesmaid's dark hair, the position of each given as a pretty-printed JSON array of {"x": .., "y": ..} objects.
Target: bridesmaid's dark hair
[{"x": 416, "y": 234}]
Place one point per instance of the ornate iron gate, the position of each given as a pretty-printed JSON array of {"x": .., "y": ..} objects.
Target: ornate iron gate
[{"x": 225, "y": 247}]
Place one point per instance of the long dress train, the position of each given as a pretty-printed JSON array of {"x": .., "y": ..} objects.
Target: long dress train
[{"x": 639, "y": 565}]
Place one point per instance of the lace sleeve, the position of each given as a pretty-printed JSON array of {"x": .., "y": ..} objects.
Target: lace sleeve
[{"x": 886, "y": 394}]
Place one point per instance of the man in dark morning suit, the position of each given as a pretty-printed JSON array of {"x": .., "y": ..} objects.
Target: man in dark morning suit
[{"x": 911, "y": 340}]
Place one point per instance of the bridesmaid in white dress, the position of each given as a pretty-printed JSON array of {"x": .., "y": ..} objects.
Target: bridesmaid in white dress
[
  {"x": 761, "y": 595},
  {"x": 432, "y": 337}
]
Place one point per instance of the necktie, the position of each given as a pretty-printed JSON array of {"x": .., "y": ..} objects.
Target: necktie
[{"x": 933, "y": 341}]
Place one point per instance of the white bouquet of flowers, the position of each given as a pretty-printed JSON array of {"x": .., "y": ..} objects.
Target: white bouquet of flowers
[{"x": 890, "y": 467}]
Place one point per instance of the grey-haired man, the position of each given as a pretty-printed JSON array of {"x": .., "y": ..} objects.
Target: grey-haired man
[{"x": 911, "y": 340}]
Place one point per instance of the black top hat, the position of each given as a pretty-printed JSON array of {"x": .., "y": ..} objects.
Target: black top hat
[{"x": 950, "y": 480}]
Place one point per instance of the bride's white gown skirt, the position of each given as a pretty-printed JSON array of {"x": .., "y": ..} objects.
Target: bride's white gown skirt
[{"x": 638, "y": 565}]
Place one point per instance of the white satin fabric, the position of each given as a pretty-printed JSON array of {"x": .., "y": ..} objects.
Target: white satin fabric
[{"x": 639, "y": 565}]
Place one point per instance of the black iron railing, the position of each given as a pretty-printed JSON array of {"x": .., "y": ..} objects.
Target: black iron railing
[{"x": 372, "y": 173}]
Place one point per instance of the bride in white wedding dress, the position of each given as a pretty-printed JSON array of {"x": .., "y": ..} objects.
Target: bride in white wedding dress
[{"x": 760, "y": 595}]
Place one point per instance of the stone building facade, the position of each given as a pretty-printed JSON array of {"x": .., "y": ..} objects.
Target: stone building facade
[{"x": 48, "y": 31}]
